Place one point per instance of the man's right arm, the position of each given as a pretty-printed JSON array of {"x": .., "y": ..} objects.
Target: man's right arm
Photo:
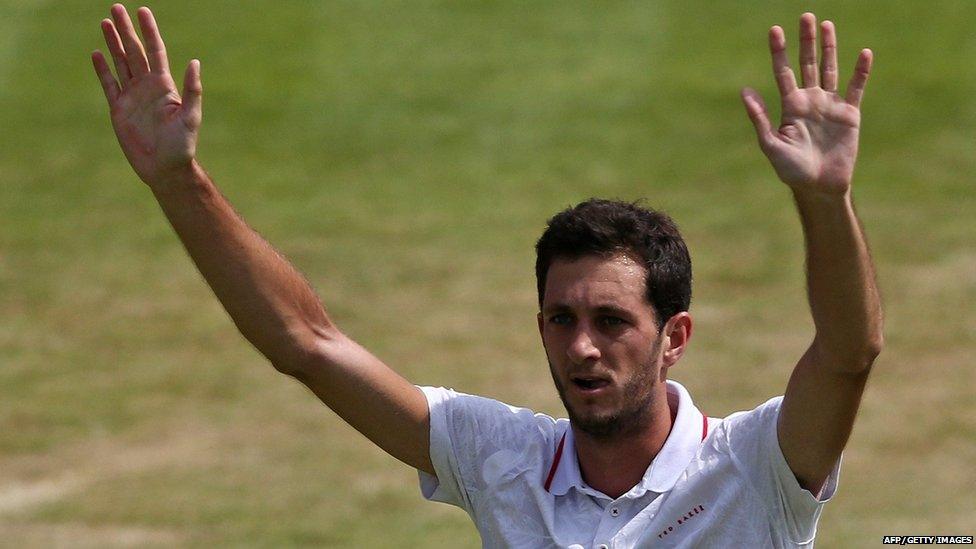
[
  {"x": 278, "y": 312},
  {"x": 268, "y": 299}
]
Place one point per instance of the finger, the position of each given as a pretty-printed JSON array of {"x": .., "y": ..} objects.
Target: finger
[
  {"x": 781, "y": 65},
  {"x": 114, "y": 44},
  {"x": 808, "y": 50},
  {"x": 192, "y": 94},
  {"x": 756, "y": 109},
  {"x": 109, "y": 85},
  {"x": 855, "y": 88},
  {"x": 828, "y": 53},
  {"x": 155, "y": 49},
  {"x": 135, "y": 56}
]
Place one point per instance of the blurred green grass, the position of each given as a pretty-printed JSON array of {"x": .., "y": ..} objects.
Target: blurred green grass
[{"x": 405, "y": 155}]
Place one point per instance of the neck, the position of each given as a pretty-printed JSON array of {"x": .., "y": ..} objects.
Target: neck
[{"x": 615, "y": 465}]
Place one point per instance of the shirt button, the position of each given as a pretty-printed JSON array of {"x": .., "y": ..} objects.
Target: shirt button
[
  {"x": 614, "y": 511},
  {"x": 603, "y": 546}
]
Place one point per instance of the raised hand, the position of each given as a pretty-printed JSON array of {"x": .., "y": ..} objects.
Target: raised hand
[
  {"x": 156, "y": 127},
  {"x": 815, "y": 146}
]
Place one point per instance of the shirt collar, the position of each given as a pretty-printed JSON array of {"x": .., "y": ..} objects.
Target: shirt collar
[{"x": 664, "y": 471}]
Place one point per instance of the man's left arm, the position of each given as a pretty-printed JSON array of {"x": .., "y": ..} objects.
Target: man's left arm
[{"x": 813, "y": 152}]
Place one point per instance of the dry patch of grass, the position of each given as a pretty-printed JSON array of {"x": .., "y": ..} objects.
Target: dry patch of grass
[
  {"x": 40, "y": 534},
  {"x": 33, "y": 480}
]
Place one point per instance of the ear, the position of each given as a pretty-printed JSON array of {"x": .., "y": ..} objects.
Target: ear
[{"x": 677, "y": 333}]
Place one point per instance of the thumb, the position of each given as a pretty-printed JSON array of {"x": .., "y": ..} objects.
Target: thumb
[
  {"x": 756, "y": 109},
  {"x": 192, "y": 95}
]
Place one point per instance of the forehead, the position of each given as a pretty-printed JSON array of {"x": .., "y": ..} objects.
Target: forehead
[{"x": 592, "y": 281}]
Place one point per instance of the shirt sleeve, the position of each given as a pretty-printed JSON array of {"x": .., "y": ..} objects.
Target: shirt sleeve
[
  {"x": 753, "y": 443},
  {"x": 474, "y": 441}
]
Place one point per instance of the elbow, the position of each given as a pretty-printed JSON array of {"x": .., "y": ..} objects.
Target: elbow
[
  {"x": 874, "y": 347},
  {"x": 855, "y": 358},
  {"x": 862, "y": 360},
  {"x": 290, "y": 364},
  {"x": 302, "y": 350},
  {"x": 873, "y": 343}
]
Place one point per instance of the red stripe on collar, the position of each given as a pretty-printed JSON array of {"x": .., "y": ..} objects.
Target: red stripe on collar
[
  {"x": 555, "y": 462},
  {"x": 562, "y": 442}
]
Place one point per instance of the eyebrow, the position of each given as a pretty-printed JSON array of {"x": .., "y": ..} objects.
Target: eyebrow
[
  {"x": 614, "y": 309},
  {"x": 604, "y": 308}
]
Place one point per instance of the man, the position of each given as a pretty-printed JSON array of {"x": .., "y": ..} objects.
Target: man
[{"x": 636, "y": 465}]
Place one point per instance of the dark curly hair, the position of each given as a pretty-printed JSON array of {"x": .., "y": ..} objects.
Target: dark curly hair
[{"x": 608, "y": 227}]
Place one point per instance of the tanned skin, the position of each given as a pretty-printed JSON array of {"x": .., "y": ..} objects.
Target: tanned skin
[{"x": 594, "y": 320}]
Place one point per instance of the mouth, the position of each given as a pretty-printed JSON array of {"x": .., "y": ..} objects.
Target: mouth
[{"x": 589, "y": 384}]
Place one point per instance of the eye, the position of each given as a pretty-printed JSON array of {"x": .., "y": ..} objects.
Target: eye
[
  {"x": 612, "y": 321},
  {"x": 560, "y": 319}
]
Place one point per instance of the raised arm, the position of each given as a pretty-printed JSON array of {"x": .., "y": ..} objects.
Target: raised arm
[
  {"x": 269, "y": 301},
  {"x": 813, "y": 151}
]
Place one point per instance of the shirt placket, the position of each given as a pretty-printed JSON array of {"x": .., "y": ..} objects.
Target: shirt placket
[{"x": 612, "y": 519}]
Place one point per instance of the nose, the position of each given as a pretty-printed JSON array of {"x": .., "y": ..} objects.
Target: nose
[{"x": 582, "y": 347}]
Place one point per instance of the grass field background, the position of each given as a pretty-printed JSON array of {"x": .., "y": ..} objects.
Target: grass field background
[{"x": 405, "y": 155}]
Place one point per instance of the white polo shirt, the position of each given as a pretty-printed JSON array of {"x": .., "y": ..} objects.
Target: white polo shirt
[{"x": 715, "y": 483}]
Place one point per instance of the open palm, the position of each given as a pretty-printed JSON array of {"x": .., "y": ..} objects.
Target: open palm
[
  {"x": 815, "y": 146},
  {"x": 156, "y": 126}
]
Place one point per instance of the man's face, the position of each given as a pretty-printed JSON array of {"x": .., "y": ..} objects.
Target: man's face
[{"x": 602, "y": 342}]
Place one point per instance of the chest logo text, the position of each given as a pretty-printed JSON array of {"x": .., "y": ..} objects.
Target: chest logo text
[{"x": 684, "y": 518}]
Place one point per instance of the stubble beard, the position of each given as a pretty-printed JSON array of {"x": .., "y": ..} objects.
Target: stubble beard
[{"x": 632, "y": 417}]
